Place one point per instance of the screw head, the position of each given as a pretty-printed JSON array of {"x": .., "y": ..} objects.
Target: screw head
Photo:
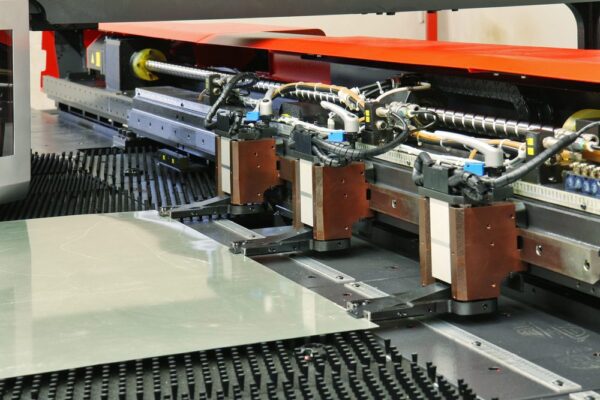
[
  {"x": 586, "y": 265},
  {"x": 539, "y": 249}
]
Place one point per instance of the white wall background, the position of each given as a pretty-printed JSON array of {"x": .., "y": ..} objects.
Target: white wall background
[{"x": 551, "y": 26}]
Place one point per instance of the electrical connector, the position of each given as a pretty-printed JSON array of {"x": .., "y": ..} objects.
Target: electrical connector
[
  {"x": 475, "y": 167},
  {"x": 337, "y": 136}
]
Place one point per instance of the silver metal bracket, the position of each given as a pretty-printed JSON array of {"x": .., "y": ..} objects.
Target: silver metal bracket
[
  {"x": 291, "y": 241},
  {"x": 216, "y": 206}
]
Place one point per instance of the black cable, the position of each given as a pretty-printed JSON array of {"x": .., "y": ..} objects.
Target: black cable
[
  {"x": 476, "y": 187},
  {"x": 229, "y": 87},
  {"x": 327, "y": 160},
  {"x": 417, "y": 173},
  {"x": 519, "y": 172},
  {"x": 359, "y": 154}
]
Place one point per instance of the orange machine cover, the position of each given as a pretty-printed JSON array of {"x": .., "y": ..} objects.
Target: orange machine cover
[{"x": 545, "y": 62}]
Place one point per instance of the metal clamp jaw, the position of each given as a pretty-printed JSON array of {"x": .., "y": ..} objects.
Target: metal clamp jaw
[
  {"x": 294, "y": 240},
  {"x": 220, "y": 205},
  {"x": 291, "y": 241},
  {"x": 433, "y": 299}
]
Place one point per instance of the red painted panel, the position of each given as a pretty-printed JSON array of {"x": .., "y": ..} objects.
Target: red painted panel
[
  {"x": 568, "y": 64},
  {"x": 5, "y": 38},
  {"x": 432, "y": 25},
  {"x": 49, "y": 46},
  {"x": 210, "y": 56},
  {"x": 89, "y": 36},
  {"x": 197, "y": 32},
  {"x": 287, "y": 67}
]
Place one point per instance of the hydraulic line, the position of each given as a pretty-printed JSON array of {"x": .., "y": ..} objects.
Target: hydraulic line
[
  {"x": 262, "y": 85},
  {"x": 229, "y": 87},
  {"x": 493, "y": 156},
  {"x": 504, "y": 144},
  {"x": 347, "y": 96},
  {"x": 485, "y": 125},
  {"x": 418, "y": 87},
  {"x": 476, "y": 187},
  {"x": 315, "y": 96},
  {"x": 350, "y": 153},
  {"x": 327, "y": 160},
  {"x": 538, "y": 160}
]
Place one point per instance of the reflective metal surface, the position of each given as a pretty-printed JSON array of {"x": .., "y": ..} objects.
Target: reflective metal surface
[
  {"x": 15, "y": 154},
  {"x": 92, "y": 289},
  {"x": 52, "y": 134}
]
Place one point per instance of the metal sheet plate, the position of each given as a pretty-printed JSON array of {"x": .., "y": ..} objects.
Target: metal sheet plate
[
  {"x": 92, "y": 289},
  {"x": 52, "y": 134}
]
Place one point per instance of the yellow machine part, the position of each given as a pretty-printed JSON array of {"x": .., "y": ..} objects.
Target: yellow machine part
[
  {"x": 589, "y": 113},
  {"x": 138, "y": 63}
]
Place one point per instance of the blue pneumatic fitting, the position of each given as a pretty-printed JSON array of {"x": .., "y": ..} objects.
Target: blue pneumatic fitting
[
  {"x": 252, "y": 116},
  {"x": 475, "y": 167},
  {"x": 595, "y": 189},
  {"x": 591, "y": 187},
  {"x": 571, "y": 183},
  {"x": 579, "y": 182},
  {"x": 586, "y": 186},
  {"x": 337, "y": 136},
  {"x": 583, "y": 185}
]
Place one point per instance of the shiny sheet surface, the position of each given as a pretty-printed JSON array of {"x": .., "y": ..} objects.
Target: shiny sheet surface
[{"x": 84, "y": 290}]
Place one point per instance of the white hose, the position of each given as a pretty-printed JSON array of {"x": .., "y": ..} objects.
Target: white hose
[
  {"x": 420, "y": 86},
  {"x": 293, "y": 121},
  {"x": 493, "y": 156}
]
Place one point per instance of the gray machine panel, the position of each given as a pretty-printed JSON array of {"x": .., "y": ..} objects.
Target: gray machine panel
[
  {"x": 15, "y": 167},
  {"x": 174, "y": 117},
  {"x": 79, "y": 12},
  {"x": 111, "y": 105}
]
